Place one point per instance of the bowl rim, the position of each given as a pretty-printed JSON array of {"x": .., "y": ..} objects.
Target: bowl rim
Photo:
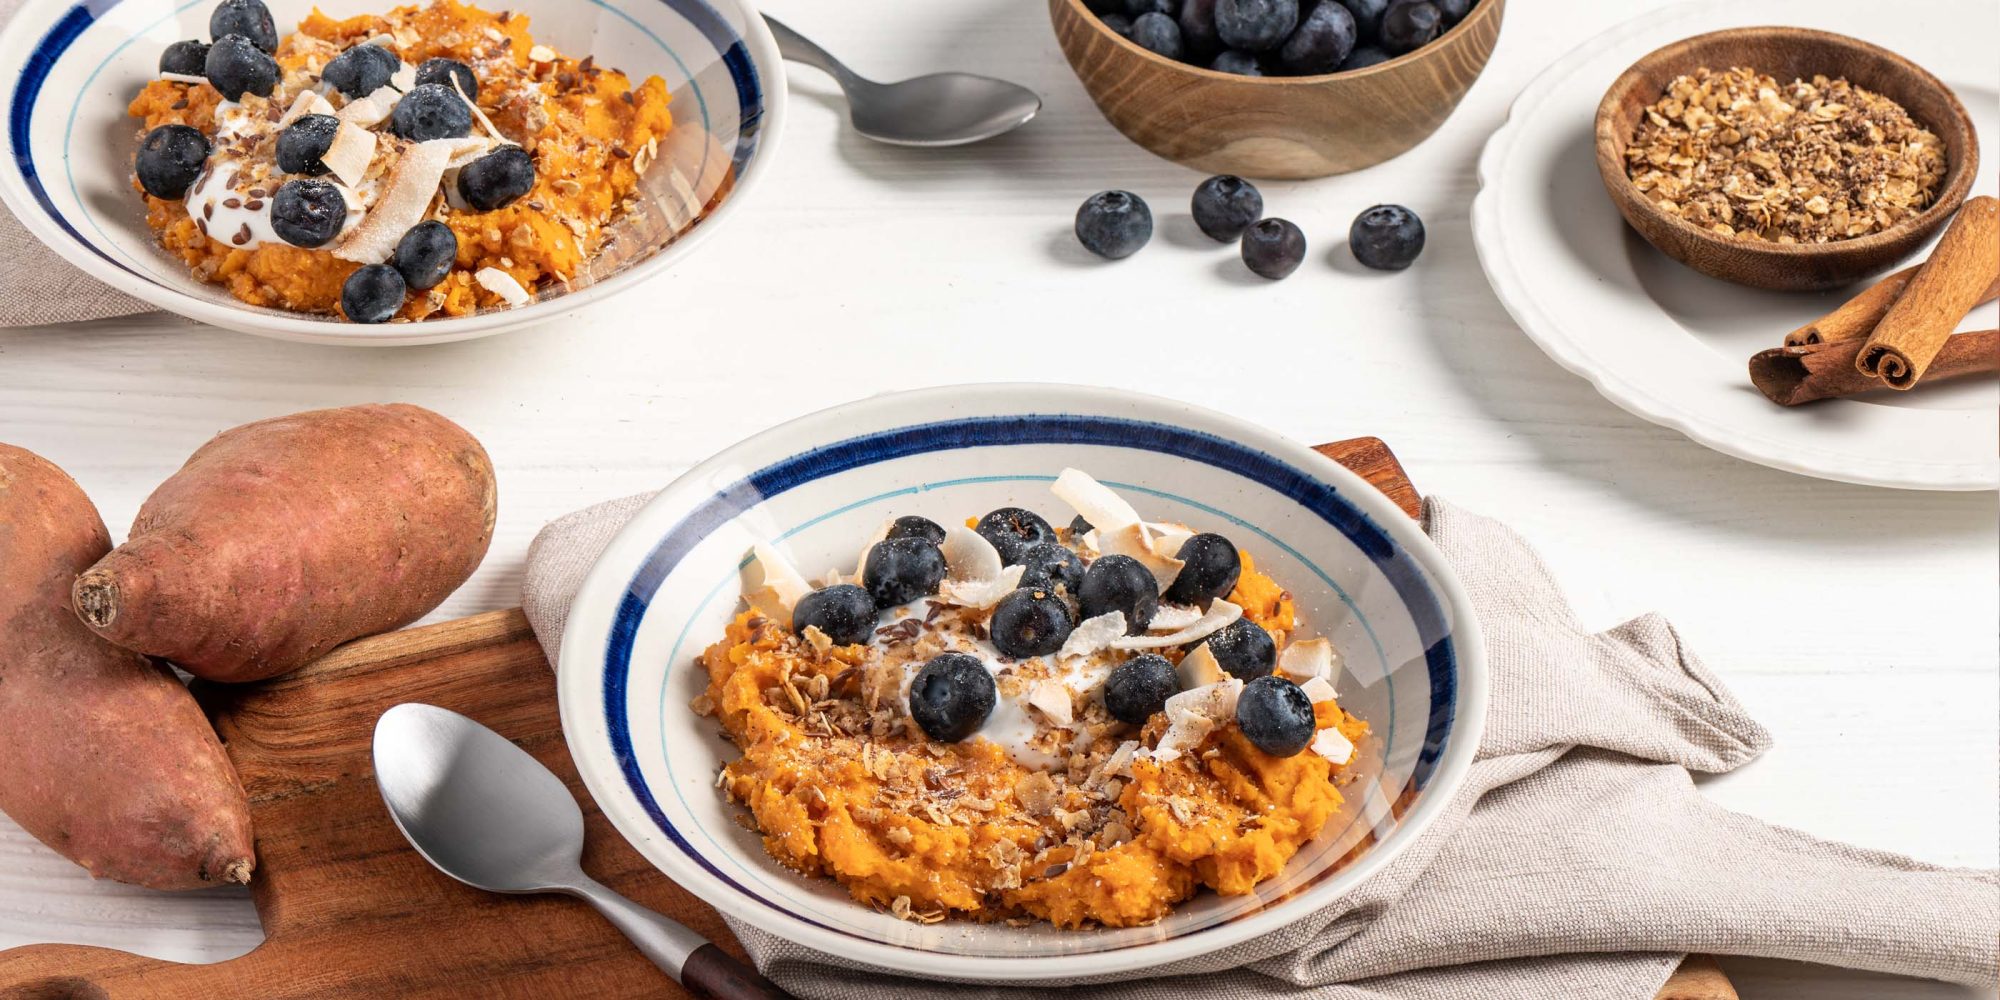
[
  {"x": 1480, "y": 10},
  {"x": 33, "y": 24},
  {"x": 581, "y": 670},
  {"x": 1956, "y": 187}
]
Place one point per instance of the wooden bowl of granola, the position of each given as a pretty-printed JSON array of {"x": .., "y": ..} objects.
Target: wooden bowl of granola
[{"x": 1830, "y": 159}]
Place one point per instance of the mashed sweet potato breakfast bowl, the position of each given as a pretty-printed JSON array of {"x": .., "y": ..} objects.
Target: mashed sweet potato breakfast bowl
[
  {"x": 382, "y": 171},
  {"x": 1023, "y": 683}
]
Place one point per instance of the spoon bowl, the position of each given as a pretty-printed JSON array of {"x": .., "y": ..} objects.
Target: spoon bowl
[{"x": 942, "y": 109}]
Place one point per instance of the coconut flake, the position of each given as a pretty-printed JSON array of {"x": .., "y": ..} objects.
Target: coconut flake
[
  {"x": 1329, "y": 743},
  {"x": 1051, "y": 698},
  {"x": 1103, "y": 508},
  {"x": 466, "y": 149},
  {"x": 1094, "y": 635},
  {"x": 503, "y": 284},
  {"x": 406, "y": 197},
  {"x": 404, "y": 78},
  {"x": 1192, "y": 715},
  {"x": 1200, "y": 668},
  {"x": 771, "y": 584},
  {"x": 1219, "y": 613},
  {"x": 184, "y": 77},
  {"x": 369, "y": 111},
  {"x": 981, "y": 594},
  {"x": 861, "y": 564},
  {"x": 477, "y": 115},
  {"x": 309, "y": 102},
  {"x": 969, "y": 556},
  {"x": 541, "y": 54},
  {"x": 1172, "y": 617},
  {"x": 1120, "y": 761},
  {"x": 1167, "y": 539},
  {"x": 348, "y": 156},
  {"x": 1136, "y": 540},
  {"x": 1317, "y": 689},
  {"x": 1302, "y": 661}
]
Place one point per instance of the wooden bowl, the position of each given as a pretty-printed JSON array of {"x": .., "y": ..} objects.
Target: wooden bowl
[
  {"x": 1280, "y": 127},
  {"x": 1785, "y": 54}
]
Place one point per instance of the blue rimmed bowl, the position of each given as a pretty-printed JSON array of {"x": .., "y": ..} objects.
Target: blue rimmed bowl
[
  {"x": 67, "y": 172},
  {"x": 1361, "y": 571}
]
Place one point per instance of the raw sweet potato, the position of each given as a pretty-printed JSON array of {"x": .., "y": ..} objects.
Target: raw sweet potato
[
  {"x": 104, "y": 756},
  {"x": 281, "y": 539}
]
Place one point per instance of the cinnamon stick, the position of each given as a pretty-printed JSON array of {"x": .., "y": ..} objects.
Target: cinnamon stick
[
  {"x": 1793, "y": 375},
  {"x": 1858, "y": 316},
  {"x": 1944, "y": 289}
]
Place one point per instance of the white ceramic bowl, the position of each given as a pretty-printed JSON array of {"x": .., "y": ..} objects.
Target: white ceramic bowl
[
  {"x": 67, "y": 172},
  {"x": 1362, "y": 571}
]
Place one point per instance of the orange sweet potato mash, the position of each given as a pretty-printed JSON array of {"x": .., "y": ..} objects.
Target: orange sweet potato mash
[
  {"x": 927, "y": 830},
  {"x": 590, "y": 131}
]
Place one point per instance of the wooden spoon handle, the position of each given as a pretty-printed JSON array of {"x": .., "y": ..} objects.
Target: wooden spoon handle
[{"x": 712, "y": 972}]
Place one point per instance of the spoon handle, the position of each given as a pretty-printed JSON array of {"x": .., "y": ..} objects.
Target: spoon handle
[
  {"x": 799, "y": 48},
  {"x": 690, "y": 959}
]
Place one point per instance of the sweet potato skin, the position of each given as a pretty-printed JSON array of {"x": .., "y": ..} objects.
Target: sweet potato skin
[
  {"x": 281, "y": 539},
  {"x": 104, "y": 755}
]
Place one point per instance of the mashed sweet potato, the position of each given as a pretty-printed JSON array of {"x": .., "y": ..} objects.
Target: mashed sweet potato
[{"x": 590, "y": 131}]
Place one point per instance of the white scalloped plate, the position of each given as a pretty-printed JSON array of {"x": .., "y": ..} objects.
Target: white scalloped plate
[{"x": 1671, "y": 345}]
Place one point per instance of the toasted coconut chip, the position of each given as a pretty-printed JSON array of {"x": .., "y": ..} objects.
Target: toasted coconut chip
[
  {"x": 1167, "y": 539},
  {"x": 369, "y": 111},
  {"x": 309, "y": 102},
  {"x": 183, "y": 77},
  {"x": 1219, "y": 613},
  {"x": 466, "y": 149},
  {"x": 1093, "y": 636},
  {"x": 1120, "y": 761},
  {"x": 404, "y": 78},
  {"x": 1200, "y": 668},
  {"x": 503, "y": 284},
  {"x": 1318, "y": 689},
  {"x": 405, "y": 200},
  {"x": 1309, "y": 658},
  {"x": 1051, "y": 698},
  {"x": 1104, "y": 509},
  {"x": 771, "y": 584},
  {"x": 541, "y": 54},
  {"x": 1135, "y": 540},
  {"x": 477, "y": 115},
  {"x": 869, "y": 546},
  {"x": 969, "y": 556},
  {"x": 981, "y": 594},
  {"x": 1192, "y": 715},
  {"x": 383, "y": 38},
  {"x": 1171, "y": 617},
  {"x": 1329, "y": 743},
  {"x": 353, "y": 146}
]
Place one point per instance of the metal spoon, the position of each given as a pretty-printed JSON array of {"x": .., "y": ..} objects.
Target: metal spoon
[
  {"x": 943, "y": 109},
  {"x": 486, "y": 813}
]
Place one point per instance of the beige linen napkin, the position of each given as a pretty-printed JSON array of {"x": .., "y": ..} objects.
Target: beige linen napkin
[
  {"x": 36, "y": 285},
  {"x": 1578, "y": 861}
]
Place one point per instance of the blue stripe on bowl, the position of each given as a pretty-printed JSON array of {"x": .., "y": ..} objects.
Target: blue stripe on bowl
[
  {"x": 64, "y": 33},
  {"x": 1322, "y": 499}
]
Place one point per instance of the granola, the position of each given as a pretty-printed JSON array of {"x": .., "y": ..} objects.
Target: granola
[{"x": 1737, "y": 153}]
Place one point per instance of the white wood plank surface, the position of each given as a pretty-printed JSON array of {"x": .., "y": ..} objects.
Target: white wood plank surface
[{"x": 862, "y": 269}]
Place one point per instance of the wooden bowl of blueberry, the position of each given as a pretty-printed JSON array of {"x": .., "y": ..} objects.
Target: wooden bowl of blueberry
[{"x": 1277, "y": 88}]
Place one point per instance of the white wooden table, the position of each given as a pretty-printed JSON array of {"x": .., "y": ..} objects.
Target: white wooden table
[{"x": 861, "y": 269}]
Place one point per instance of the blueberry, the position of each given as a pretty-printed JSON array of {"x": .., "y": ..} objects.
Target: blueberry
[
  {"x": 1410, "y": 25},
  {"x": 248, "y": 18},
  {"x": 496, "y": 179},
  {"x": 425, "y": 254},
  {"x": 1120, "y": 583},
  {"x": 442, "y": 72},
  {"x": 304, "y": 141},
  {"x": 1157, "y": 33},
  {"x": 951, "y": 697},
  {"x": 1276, "y": 716},
  {"x": 1239, "y": 63},
  {"x": 1030, "y": 622},
  {"x": 1364, "y": 57},
  {"x": 308, "y": 213},
  {"x": 361, "y": 70},
  {"x": 1114, "y": 224},
  {"x": 1103, "y": 6},
  {"x": 1454, "y": 11},
  {"x": 1367, "y": 18},
  {"x": 236, "y": 67},
  {"x": 1118, "y": 23},
  {"x": 372, "y": 294},
  {"x": 900, "y": 570},
  {"x": 1225, "y": 206},
  {"x": 1386, "y": 237},
  {"x": 1136, "y": 9},
  {"x": 1210, "y": 566},
  {"x": 1243, "y": 648},
  {"x": 843, "y": 611},
  {"x": 1078, "y": 527},
  {"x": 1050, "y": 564},
  {"x": 189, "y": 58},
  {"x": 431, "y": 111},
  {"x": 1321, "y": 43},
  {"x": 1198, "y": 37},
  {"x": 1139, "y": 688},
  {"x": 917, "y": 526},
  {"x": 1014, "y": 531},
  {"x": 1273, "y": 248},
  {"x": 169, "y": 159},
  {"x": 1255, "y": 25}
]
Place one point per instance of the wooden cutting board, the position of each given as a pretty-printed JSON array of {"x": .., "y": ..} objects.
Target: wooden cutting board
[{"x": 349, "y": 910}]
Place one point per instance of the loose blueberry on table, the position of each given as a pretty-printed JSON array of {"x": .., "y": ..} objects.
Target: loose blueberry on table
[
  {"x": 1386, "y": 237},
  {"x": 1281, "y": 37},
  {"x": 1114, "y": 224},
  {"x": 1274, "y": 248},
  {"x": 1225, "y": 206}
]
